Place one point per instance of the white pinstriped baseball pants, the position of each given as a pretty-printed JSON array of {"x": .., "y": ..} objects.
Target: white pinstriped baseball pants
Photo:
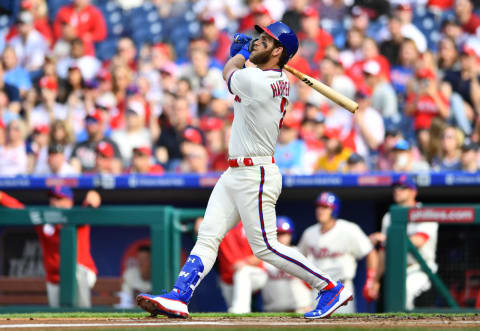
[{"x": 250, "y": 194}]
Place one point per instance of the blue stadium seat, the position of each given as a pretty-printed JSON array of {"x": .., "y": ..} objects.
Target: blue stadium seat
[
  {"x": 54, "y": 6},
  {"x": 5, "y": 22},
  {"x": 106, "y": 49}
]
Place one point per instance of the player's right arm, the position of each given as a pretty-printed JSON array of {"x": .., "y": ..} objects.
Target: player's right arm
[{"x": 235, "y": 63}]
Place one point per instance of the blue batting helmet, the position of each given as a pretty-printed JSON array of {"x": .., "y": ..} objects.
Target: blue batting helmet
[
  {"x": 328, "y": 199},
  {"x": 281, "y": 32},
  {"x": 285, "y": 225}
]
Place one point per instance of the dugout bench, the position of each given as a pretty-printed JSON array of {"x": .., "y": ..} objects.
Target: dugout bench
[{"x": 165, "y": 223}]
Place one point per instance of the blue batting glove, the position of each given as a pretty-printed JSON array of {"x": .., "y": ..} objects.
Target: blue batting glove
[
  {"x": 245, "y": 51},
  {"x": 239, "y": 40}
]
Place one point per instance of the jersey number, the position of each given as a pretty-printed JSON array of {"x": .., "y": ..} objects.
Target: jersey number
[{"x": 283, "y": 110}]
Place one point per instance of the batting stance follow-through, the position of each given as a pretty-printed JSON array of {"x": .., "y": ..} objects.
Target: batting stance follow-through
[{"x": 250, "y": 187}]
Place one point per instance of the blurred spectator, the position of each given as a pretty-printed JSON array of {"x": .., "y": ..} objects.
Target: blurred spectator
[
  {"x": 49, "y": 236},
  {"x": 447, "y": 56},
  {"x": 368, "y": 129},
  {"x": 89, "y": 65},
  {"x": 10, "y": 91},
  {"x": 80, "y": 20},
  {"x": 449, "y": 159},
  {"x": 403, "y": 73},
  {"x": 61, "y": 133},
  {"x": 257, "y": 11},
  {"x": 404, "y": 160},
  {"x": 313, "y": 39},
  {"x": 13, "y": 154},
  {"x": 135, "y": 133},
  {"x": 356, "y": 164},
  {"x": 311, "y": 132},
  {"x": 470, "y": 157},
  {"x": 48, "y": 109},
  {"x": 218, "y": 40},
  {"x": 467, "y": 18},
  {"x": 384, "y": 98},
  {"x": 386, "y": 155},
  {"x": 426, "y": 101},
  {"x": 333, "y": 75},
  {"x": 105, "y": 159},
  {"x": 37, "y": 149},
  {"x": 15, "y": 74},
  {"x": 142, "y": 162},
  {"x": 390, "y": 48},
  {"x": 336, "y": 155},
  {"x": 352, "y": 53},
  {"x": 84, "y": 153},
  {"x": 122, "y": 79},
  {"x": 404, "y": 12},
  {"x": 126, "y": 53},
  {"x": 57, "y": 163},
  {"x": 29, "y": 45},
  {"x": 224, "y": 12},
  {"x": 451, "y": 28},
  {"x": 195, "y": 155},
  {"x": 293, "y": 14},
  {"x": 290, "y": 149},
  {"x": 334, "y": 10},
  {"x": 136, "y": 278},
  {"x": 219, "y": 160},
  {"x": 283, "y": 292}
]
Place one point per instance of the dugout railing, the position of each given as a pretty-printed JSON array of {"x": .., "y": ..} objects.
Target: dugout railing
[
  {"x": 399, "y": 244},
  {"x": 165, "y": 223}
]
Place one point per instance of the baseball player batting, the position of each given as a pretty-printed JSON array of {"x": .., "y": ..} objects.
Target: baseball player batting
[{"x": 250, "y": 187}]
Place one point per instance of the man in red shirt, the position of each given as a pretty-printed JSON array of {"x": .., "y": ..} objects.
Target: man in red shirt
[
  {"x": 467, "y": 18},
  {"x": 84, "y": 20},
  {"x": 49, "y": 236}
]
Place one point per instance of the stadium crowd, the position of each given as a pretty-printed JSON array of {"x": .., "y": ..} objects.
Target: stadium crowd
[{"x": 135, "y": 86}]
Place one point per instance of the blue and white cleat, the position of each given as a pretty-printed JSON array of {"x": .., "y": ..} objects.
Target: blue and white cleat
[
  {"x": 168, "y": 304},
  {"x": 330, "y": 300}
]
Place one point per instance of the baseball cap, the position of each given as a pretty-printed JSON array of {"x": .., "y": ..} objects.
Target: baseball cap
[
  {"x": 355, "y": 158},
  {"x": 93, "y": 117},
  {"x": 41, "y": 128},
  {"x": 401, "y": 145},
  {"x": 331, "y": 133},
  {"x": 391, "y": 130},
  {"x": 25, "y": 17},
  {"x": 56, "y": 149},
  {"x": 468, "y": 50},
  {"x": 310, "y": 12},
  {"x": 371, "y": 67},
  {"x": 48, "y": 83},
  {"x": 211, "y": 124},
  {"x": 136, "y": 107},
  {"x": 193, "y": 135},
  {"x": 468, "y": 145},
  {"x": 207, "y": 19},
  {"x": 61, "y": 192},
  {"x": 405, "y": 181},
  {"x": 425, "y": 73},
  {"x": 261, "y": 10},
  {"x": 404, "y": 6},
  {"x": 105, "y": 149},
  {"x": 144, "y": 150}
]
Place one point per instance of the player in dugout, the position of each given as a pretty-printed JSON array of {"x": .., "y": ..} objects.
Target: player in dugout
[
  {"x": 335, "y": 245},
  {"x": 49, "y": 236},
  {"x": 423, "y": 236}
]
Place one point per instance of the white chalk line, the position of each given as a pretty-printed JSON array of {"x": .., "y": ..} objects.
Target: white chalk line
[{"x": 222, "y": 323}]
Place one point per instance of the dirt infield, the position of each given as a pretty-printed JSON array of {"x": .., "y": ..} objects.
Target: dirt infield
[{"x": 374, "y": 322}]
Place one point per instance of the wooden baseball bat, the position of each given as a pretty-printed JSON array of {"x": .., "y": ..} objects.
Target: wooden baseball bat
[{"x": 326, "y": 90}]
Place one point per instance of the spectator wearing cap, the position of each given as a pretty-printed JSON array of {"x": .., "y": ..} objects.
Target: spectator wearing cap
[
  {"x": 29, "y": 45},
  {"x": 470, "y": 158},
  {"x": 11, "y": 91},
  {"x": 105, "y": 159},
  {"x": 15, "y": 74},
  {"x": 218, "y": 40},
  {"x": 449, "y": 157},
  {"x": 84, "y": 153},
  {"x": 390, "y": 47},
  {"x": 386, "y": 157},
  {"x": 404, "y": 12},
  {"x": 167, "y": 148},
  {"x": 13, "y": 154},
  {"x": 49, "y": 236},
  {"x": 81, "y": 20},
  {"x": 57, "y": 163},
  {"x": 135, "y": 133},
  {"x": 195, "y": 155},
  {"x": 48, "y": 109},
  {"x": 290, "y": 150},
  {"x": 313, "y": 39},
  {"x": 336, "y": 154},
  {"x": 404, "y": 160},
  {"x": 214, "y": 140},
  {"x": 384, "y": 98},
  {"x": 37, "y": 148},
  {"x": 468, "y": 20},
  {"x": 142, "y": 162},
  {"x": 88, "y": 64},
  {"x": 369, "y": 131},
  {"x": 356, "y": 164},
  {"x": 426, "y": 102}
]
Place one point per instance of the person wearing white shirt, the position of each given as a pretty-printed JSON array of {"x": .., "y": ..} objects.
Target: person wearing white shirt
[
  {"x": 57, "y": 165},
  {"x": 89, "y": 65},
  {"x": 49, "y": 109},
  {"x": 13, "y": 155}
]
